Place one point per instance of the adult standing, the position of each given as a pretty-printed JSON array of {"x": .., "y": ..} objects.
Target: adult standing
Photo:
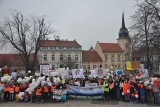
[
  {"x": 117, "y": 88},
  {"x": 106, "y": 89}
]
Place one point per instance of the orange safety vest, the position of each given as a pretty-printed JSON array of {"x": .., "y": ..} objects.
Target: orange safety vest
[
  {"x": 126, "y": 86},
  {"x": 11, "y": 89},
  {"x": 17, "y": 89},
  {"x": 38, "y": 91},
  {"x": 46, "y": 89},
  {"x": 6, "y": 88},
  {"x": 52, "y": 88},
  {"x": 99, "y": 83},
  {"x": 141, "y": 85},
  {"x": 111, "y": 85}
]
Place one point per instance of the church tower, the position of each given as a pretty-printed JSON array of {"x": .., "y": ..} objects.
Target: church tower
[{"x": 124, "y": 41}]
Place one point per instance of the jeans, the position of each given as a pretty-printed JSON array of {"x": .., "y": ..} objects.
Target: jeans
[
  {"x": 106, "y": 95},
  {"x": 117, "y": 91},
  {"x": 127, "y": 97},
  {"x": 156, "y": 97},
  {"x": 142, "y": 98}
]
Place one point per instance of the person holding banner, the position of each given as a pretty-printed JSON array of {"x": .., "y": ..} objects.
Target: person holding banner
[{"x": 106, "y": 89}]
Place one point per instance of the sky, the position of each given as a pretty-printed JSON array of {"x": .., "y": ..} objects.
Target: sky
[{"x": 86, "y": 21}]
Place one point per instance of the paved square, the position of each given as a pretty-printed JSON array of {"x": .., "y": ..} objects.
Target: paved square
[{"x": 77, "y": 103}]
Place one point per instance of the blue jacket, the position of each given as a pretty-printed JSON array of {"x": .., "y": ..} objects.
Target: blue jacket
[{"x": 142, "y": 90}]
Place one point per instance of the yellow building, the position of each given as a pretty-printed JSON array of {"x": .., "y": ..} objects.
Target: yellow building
[
  {"x": 111, "y": 54},
  {"x": 114, "y": 55}
]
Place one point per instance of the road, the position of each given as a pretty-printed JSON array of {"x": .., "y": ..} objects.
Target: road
[{"x": 77, "y": 103}]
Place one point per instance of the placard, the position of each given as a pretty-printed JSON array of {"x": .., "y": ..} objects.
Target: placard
[
  {"x": 45, "y": 69},
  {"x": 77, "y": 73}
]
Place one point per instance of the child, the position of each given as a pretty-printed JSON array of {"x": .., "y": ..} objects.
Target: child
[
  {"x": 142, "y": 92},
  {"x": 132, "y": 93}
]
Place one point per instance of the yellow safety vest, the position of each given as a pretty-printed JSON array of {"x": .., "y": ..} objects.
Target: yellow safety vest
[{"x": 106, "y": 87}]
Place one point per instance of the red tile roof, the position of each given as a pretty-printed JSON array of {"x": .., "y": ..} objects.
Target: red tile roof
[
  {"x": 60, "y": 43},
  {"x": 90, "y": 56},
  {"x": 110, "y": 47}
]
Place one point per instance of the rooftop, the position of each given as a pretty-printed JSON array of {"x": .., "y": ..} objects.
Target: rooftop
[
  {"x": 110, "y": 47},
  {"x": 61, "y": 43},
  {"x": 90, "y": 56}
]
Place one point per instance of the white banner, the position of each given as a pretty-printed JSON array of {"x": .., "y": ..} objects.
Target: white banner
[
  {"x": 93, "y": 73},
  {"x": 90, "y": 84},
  {"x": 45, "y": 69},
  {"x": 1, "y": 87},
  {"x": 77, "y": 73},
  {"x": 143, "y": 72},
  {"x": 100, "y": 71}
]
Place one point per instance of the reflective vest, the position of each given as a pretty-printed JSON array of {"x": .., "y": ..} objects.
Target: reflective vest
[
  {"x": 6, "y": 88},
  {"x": 52, "y": 88},
  {"x": 99, "y": 82},
  {"x": 11, "y": 89},
  {"x": 46, "y": 89},
  {"x": 38, "y": 91},
  {"x": 126, "y": 86},
  {"x": 17, "y": 89},
  {"x": 111, "y": 85},
  {"x": 106, "y": 87}
]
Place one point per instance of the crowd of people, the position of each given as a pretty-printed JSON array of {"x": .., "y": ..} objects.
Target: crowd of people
[{"x": 125, "y": 88}]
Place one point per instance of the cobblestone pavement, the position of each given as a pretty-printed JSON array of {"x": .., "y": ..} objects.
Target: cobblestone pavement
[{"x": 77, "y": 103}]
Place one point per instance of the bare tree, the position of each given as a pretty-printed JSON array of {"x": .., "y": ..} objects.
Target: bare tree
[
  {"x": 25, "y": 35},
  {"x": 155, "y": 6},
  {"x": 143, "y": 20}
]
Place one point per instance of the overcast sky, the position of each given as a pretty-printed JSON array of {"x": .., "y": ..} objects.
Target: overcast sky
[{"x": 87, "y": 21}]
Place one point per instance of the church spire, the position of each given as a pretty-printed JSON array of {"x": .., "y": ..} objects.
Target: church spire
[
  {"x": 123, "y": 23},
  {"x": 123, "y": 32}
]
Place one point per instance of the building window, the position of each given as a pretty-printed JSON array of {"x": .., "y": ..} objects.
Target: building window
[
  {"x": 53, "y": 57},
  {"x": 112, "y": 57},
  {"x": 45, "y": 57},
  {"x": 119, "y": 65},
  {"x": 119, "y": 58},
  {"x": 76, "y": 57},
  {"x": 106, "y": 57},
  {"x": 61, "y": 57},
  {"x": 84, "y": 66},
  {"x": 76, "y": 66},
  {"x": 88, "y": 67},
  {"x": 151, "y": 58},
  {"x": 94, "y": 66},
  {"x": 69, "y": 57},
  {"x": 53, "y": 67}
]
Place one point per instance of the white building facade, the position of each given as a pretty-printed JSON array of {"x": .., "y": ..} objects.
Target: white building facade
[{"x": 60, "y": 54}]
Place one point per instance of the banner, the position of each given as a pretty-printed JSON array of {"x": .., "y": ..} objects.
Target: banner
[
  {"x": 143, "y": 72},
  {"x": 132, "y": 65},
  {"x": 100, "y": 71},
  {"x": 77, "y": 73},
  {"x": 119, "y": 72},
  {"x": 45, "y": 69},
  {"x": 93, "y": 73},
  {"x": 92, "y": 90},
  {"x": 90, "y": 84},
  {"x": 1, "y": 87}
]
